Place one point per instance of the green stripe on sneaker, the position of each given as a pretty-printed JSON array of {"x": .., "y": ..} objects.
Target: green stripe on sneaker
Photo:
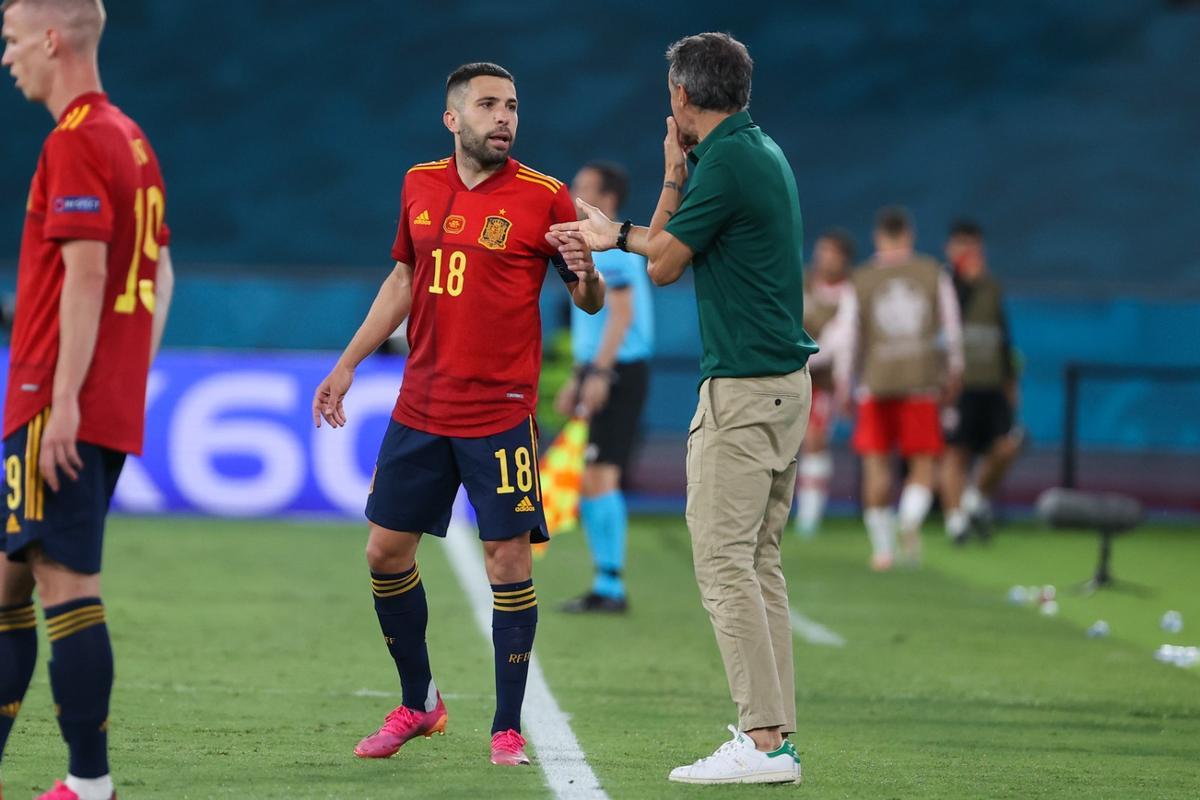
[{"x": 787, "y": 748}]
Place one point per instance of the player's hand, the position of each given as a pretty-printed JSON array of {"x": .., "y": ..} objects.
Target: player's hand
[
  {"x": 327, "y": 400},
  {"x": 598, "y": 230},
  {"x": 675, "y": 149},
  {"x": 593, "y": 397},
  {"x": 952, "y": 389},
  {"x": 1012, "y": 391},
  {"x": 574, "y": 249},
  {"x": 564, "y": 401},
  {"x": 59, "y": 444},
  {"x": 843, "y": 404}
]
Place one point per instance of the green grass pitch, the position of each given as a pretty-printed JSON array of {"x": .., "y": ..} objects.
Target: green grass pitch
[{"x": 249, "y": 662}]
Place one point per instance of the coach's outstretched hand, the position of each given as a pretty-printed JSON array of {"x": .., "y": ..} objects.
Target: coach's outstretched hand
[
  {"x": 598, "y": 230},
  {"x": 59, "y": 446},
  {"x": 327, "y": 401}
]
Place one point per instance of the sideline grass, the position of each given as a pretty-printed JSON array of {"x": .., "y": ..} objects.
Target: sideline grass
[{"x": 243, "y": 648}]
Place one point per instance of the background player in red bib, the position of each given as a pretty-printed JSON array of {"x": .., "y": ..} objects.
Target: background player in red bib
[
  {"x": 471, "y": 255},
  {"x": 827, "y": 285},
  {"x": 903, "y": 328},
  {"x": 93, "y": 288}
]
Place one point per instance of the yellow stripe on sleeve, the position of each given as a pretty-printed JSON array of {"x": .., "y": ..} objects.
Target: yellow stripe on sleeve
[
  {"x": 533, "y": 173},
  {"x": 538, "y": 181}
]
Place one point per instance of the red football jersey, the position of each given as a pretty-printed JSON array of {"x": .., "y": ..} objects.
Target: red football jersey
[
  {"x": 97, "y": 180},
  {"x": 479, "y": 258}
]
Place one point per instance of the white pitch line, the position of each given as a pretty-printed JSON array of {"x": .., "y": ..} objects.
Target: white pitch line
[
  {"x": 562, "y": 760},
  {"x": 814, "y": 632}
]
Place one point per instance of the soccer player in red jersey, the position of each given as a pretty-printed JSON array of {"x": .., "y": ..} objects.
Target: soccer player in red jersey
[
  {"x": 93, "y": 288},
  {"x": 471, "y": 255}
]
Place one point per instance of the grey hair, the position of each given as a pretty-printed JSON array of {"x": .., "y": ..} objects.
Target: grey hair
[{"x": 714, "y": 68}]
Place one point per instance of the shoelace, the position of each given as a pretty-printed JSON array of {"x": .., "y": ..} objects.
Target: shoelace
[
  {"x": 401, "y": 717},
  {"x": 728, "y": 747},
  {"x": 509, "y": 740}
]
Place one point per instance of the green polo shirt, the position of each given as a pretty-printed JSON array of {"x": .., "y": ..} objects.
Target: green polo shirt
[{"x": 740, "y": 216}]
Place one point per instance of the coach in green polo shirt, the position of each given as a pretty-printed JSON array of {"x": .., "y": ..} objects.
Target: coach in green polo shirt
[{"x": 738, "y": 226}]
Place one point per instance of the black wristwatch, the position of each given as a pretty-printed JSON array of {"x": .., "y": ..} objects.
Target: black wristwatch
[{"x": 623, "y": 236}]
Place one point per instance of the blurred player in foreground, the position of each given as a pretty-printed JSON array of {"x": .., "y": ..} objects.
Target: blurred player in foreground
[
  {"x": 980, "y": 426},
  {"x": 612, "y": 350},
  {"x": 904, "y": 346},
  {"x": 93, "y": 289},
  {"x": 738, "y": 226},
  {"x": 826, "y": 287},
  {"x": 471, "y": 255}
]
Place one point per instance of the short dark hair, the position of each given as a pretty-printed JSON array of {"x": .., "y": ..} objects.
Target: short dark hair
[
  {"x": 842, "y": 240},
  {"x": 613, "y": 179},
  {"x": 894, "y": 221},
  {"x": 714, "y": 68},
  {"x": 966, "y": 227},
  {"x": 463, "y": 75}
]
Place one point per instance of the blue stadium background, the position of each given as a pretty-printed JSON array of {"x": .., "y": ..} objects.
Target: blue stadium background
[{"x": 1068, "y": 129}]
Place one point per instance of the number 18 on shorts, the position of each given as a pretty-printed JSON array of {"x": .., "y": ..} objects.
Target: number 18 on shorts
[{"x": 417, "y": 476}]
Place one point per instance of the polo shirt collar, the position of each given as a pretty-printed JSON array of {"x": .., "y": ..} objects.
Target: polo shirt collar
[{"x": 732, "y": 123}]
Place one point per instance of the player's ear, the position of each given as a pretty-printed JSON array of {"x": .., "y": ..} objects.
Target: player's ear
[
  {"x": 450, "y": 120},
  {"x": 681, "y": 95}
]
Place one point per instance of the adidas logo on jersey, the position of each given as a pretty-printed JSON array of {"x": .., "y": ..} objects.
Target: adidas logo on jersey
[
  {"x": 423, "y": 218},
  {"x": 13, "y": 525},
  {"x": 525, "y": 505}
]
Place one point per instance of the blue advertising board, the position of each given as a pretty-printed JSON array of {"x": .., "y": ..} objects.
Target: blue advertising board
[{"x": 232, "y": 434}]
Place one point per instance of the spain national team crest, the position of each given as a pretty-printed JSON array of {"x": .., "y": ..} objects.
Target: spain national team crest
[
  {"x": 454, "y": 224},
  {"x": 495, "y": 233}
]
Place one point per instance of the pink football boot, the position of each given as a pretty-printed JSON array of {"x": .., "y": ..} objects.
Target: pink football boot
[
  {"x": 62, "y": 792},
  {"x": 508, "y": 749},
  {"x": 401, "y": 725}
]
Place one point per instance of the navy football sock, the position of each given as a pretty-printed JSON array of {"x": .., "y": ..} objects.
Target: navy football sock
[
  {"x": 18, "y": 654},
  {"x": 514, "y": 622},
  {"x": 403, "y": 616},
  {"x": 81, "y": 679}
]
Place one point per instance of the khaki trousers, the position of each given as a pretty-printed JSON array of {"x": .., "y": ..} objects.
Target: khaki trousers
[{"x": 741, "y": 473}]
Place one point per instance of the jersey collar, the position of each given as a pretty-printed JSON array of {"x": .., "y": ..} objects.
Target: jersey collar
[
  {"x": 732, "y": 123},
  {"x": 95, "y": 98},
  {"x": 496, "y": 180}
]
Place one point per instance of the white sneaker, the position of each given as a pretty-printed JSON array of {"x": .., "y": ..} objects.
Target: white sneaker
[{"x": 739, "y": 761}]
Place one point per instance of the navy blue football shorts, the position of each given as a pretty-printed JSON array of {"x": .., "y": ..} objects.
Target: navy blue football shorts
[
  {"x": 68, "y": 525},
  {"x": 418, "y": 474}
]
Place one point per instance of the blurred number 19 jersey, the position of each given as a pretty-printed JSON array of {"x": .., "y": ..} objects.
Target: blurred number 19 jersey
[
  {"x": 97, "y": 180},
  {"x": 479, "y": 259}
]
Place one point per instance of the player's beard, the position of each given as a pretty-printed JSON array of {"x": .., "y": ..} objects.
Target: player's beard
[{"x": 477, "y": 147}]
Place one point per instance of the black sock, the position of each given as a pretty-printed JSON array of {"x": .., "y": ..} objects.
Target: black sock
[
  {"x": 403, "y": 615},
  {"x": 514, "y": 622},
  {"x": 18, "y": 654},
  {"x": 81, "y": 679}
]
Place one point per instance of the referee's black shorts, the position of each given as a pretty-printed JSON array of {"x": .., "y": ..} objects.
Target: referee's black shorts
[
  {"x": 613, "y": 434},
  {"x": 984, "y": 415}
]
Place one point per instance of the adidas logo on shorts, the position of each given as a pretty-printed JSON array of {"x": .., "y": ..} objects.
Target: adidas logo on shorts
[{"x": 525, "y": 505}]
